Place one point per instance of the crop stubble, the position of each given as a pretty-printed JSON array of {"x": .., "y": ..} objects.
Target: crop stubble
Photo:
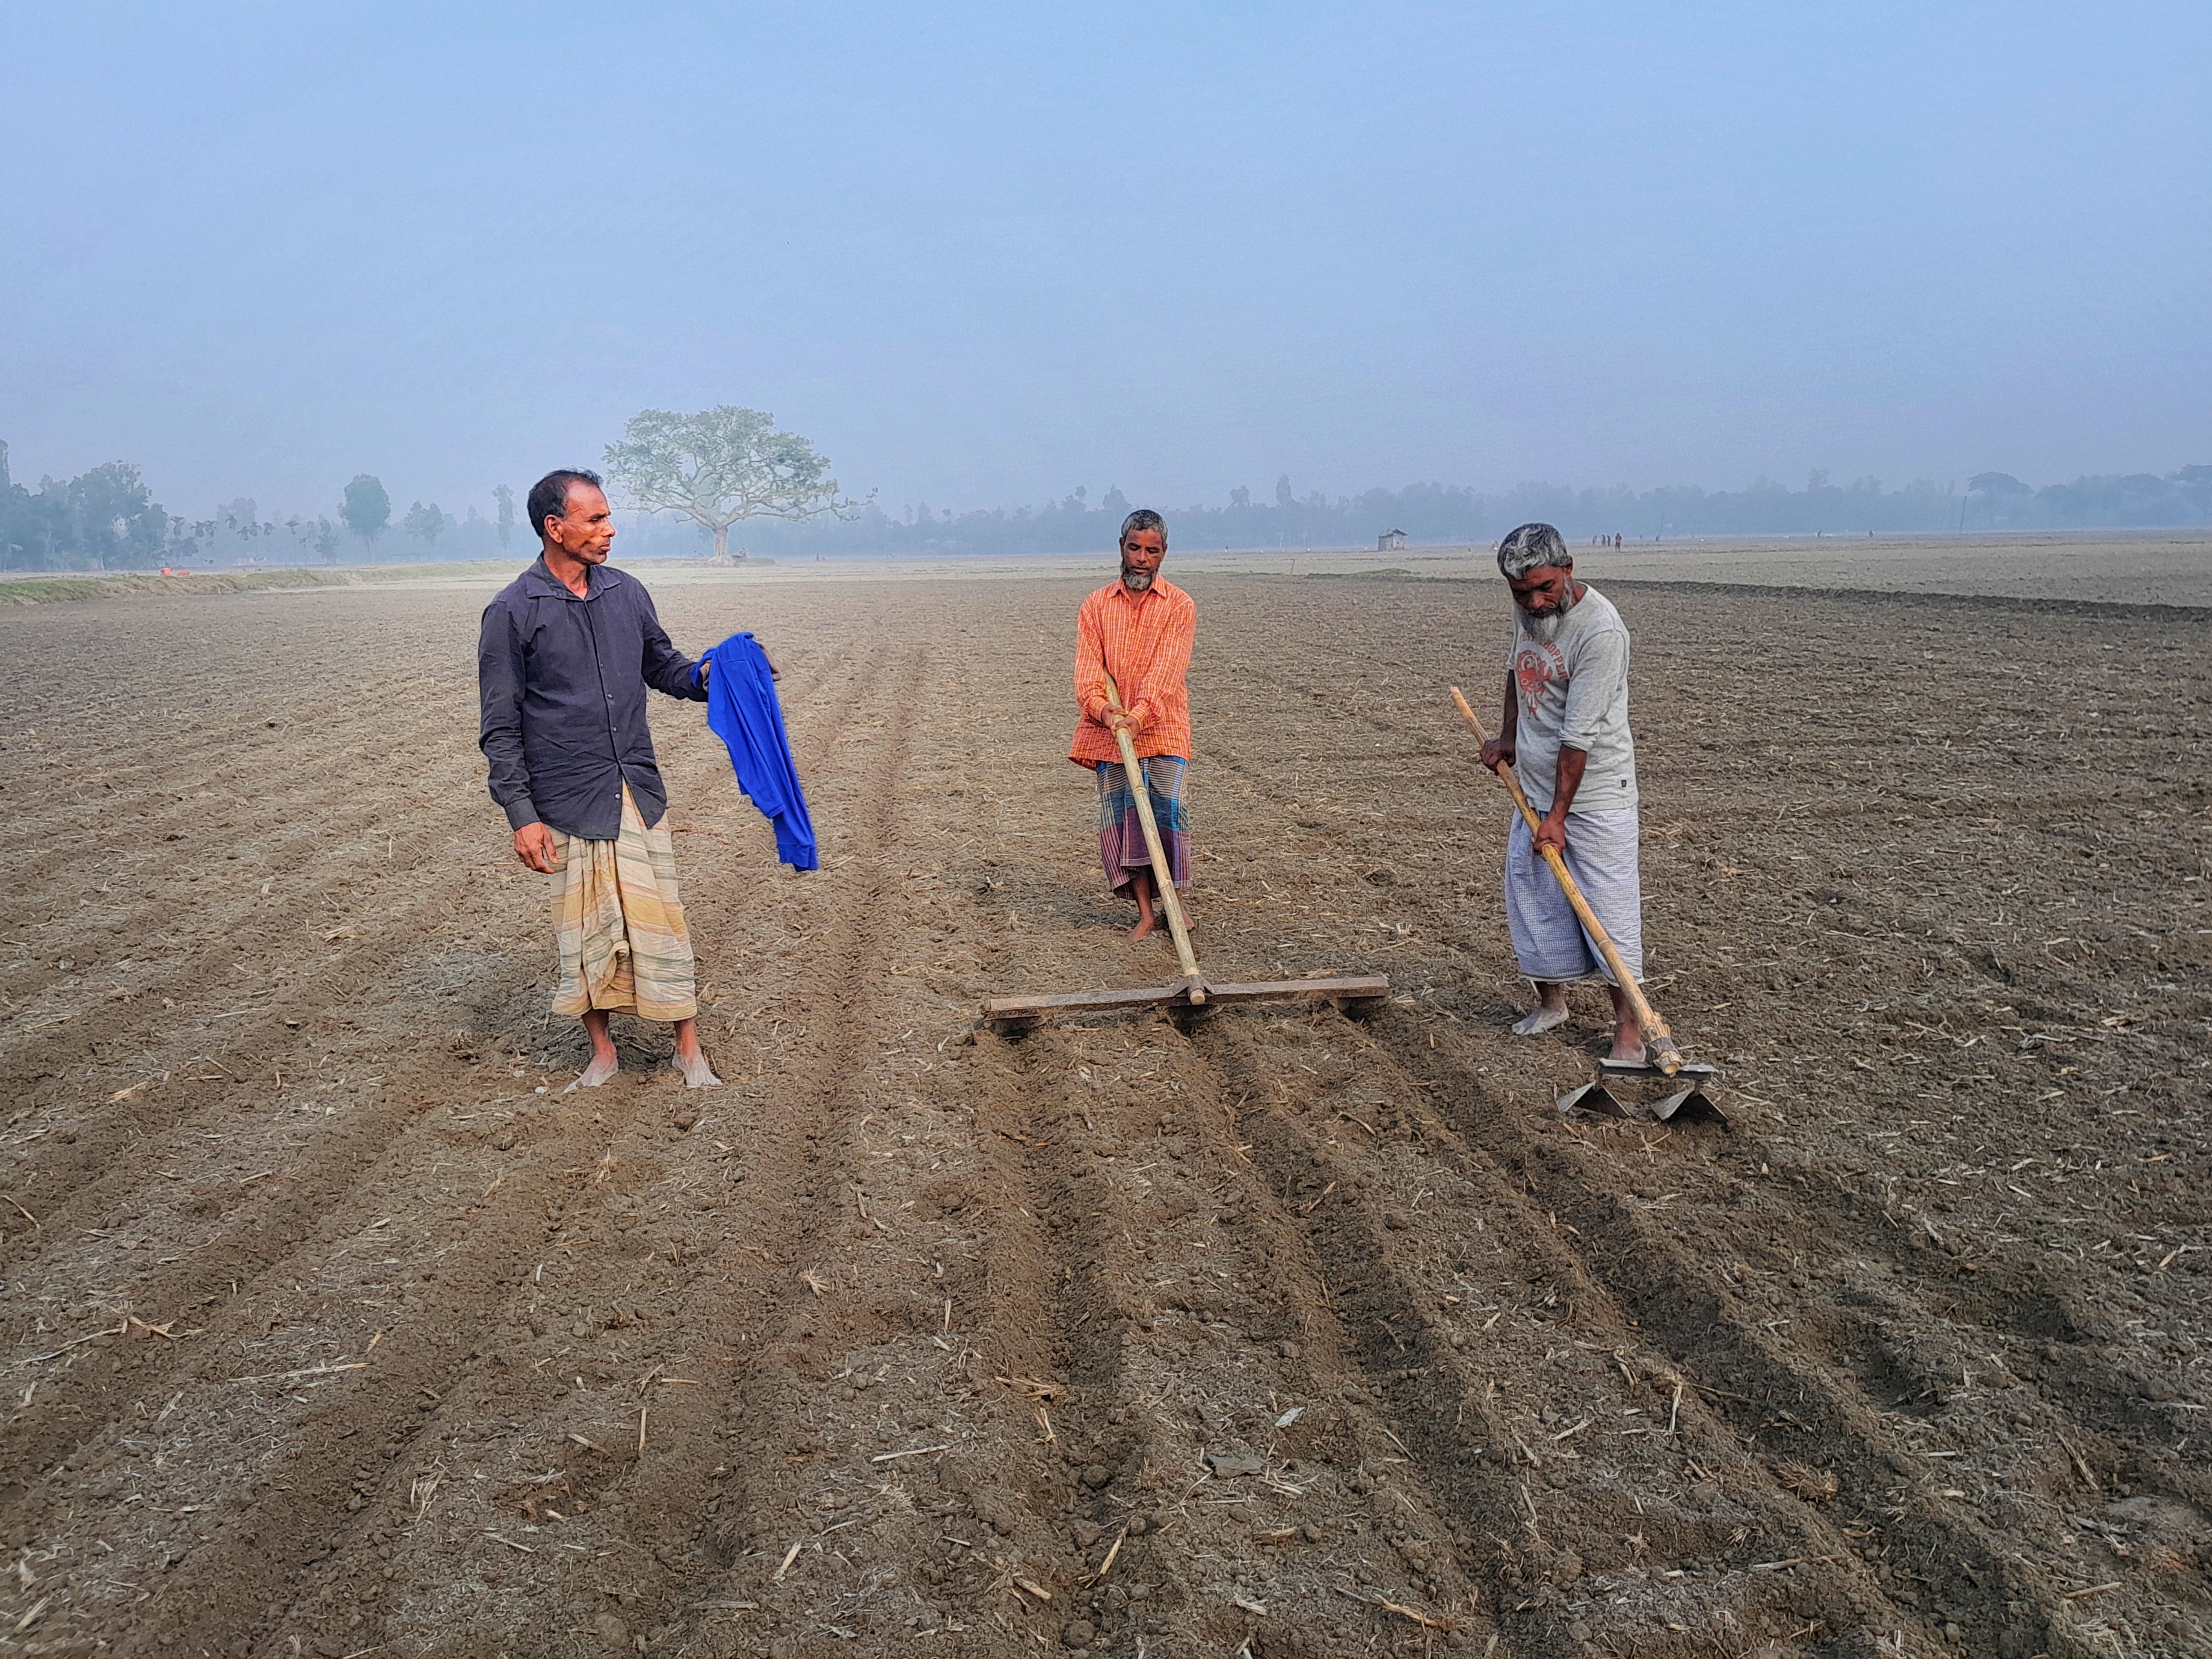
[{"x": 327, "y": 1328}]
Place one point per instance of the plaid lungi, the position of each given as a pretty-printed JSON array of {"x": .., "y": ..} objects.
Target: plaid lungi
[
  {"x": 1121, "y": 847},
  {"x": 1548, "y": 936},
  {"x": 618, "y": 923}
]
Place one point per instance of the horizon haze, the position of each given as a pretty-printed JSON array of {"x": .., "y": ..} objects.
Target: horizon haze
[{"x": 987, "y": 256}]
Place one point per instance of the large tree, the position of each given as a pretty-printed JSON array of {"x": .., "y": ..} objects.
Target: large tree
[
  {"x": 367, "y": 509},
  {"x": 723, "y": 464},
  {"x": 504, "y": 497}
]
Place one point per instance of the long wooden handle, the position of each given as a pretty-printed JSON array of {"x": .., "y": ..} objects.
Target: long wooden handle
[
  {"x": 1162, "y": 872},
  {"x": 1660, "y": 1040}
]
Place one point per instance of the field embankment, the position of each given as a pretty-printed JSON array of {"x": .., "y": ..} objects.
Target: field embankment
[{"x": 63, "y": 587}]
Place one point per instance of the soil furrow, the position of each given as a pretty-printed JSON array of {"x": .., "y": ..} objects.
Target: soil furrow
[
  {"x": 1787, "y": 1403},
  {"x": 295, "y": 1237},
  {"x": 677, "y": 1514},
  {"x": 108, "y": 1146},
  {"x": 618, "y": 1299},
  {"x": 1687, "y": 1501},
  {"x": 1340, "y": 1310}
]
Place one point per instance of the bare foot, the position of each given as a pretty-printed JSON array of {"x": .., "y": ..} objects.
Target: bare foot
[
  {"x": 1545, "y": 1018},
  {"x": 601, "y": 1069},
  {"x": 695, "y": 1072},
  {"x": 1147, "y": 924}
]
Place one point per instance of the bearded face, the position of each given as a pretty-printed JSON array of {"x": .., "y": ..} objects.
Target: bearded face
[
  {"x": 1543, "y": 626},
  {"x": 1142, "y": 550}
]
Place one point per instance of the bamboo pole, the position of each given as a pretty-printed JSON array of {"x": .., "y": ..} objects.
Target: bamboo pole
[
  {"x": 1657, "y": 1037},
  {"x": 1163, "y": 872}
]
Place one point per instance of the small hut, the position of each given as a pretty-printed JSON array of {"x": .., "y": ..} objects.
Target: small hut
[{"x": 1390, "y": 541}]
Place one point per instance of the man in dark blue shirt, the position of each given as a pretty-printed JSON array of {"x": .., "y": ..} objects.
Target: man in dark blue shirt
[{"x": 567, "y": 651}]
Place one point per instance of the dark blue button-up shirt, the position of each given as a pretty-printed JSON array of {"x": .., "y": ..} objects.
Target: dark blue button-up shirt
[{"x": 562, "y": 681}]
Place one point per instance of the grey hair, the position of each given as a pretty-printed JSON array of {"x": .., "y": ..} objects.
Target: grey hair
[
  {"x": 1532, "y": 547},
  {"x": 1143, "y": 518}
]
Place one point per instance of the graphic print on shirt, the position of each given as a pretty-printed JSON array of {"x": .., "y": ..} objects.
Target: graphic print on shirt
[{"x": 1537, "y": 666}]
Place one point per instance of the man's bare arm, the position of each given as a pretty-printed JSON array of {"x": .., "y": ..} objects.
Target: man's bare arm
[{"x": 1566, "y": 778}]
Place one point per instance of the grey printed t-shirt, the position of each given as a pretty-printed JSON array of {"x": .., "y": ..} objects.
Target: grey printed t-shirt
[{"x": 1573, "y": 692}]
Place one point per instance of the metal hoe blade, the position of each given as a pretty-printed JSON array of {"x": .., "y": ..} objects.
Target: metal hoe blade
[{"x": 1690, "y": 1101}]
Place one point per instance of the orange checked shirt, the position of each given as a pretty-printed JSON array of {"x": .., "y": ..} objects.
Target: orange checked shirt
[{"x": 1144, "y": 641}]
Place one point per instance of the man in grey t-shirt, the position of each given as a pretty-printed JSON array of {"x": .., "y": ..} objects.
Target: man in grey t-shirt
[{"x": 1566, "y": 732}]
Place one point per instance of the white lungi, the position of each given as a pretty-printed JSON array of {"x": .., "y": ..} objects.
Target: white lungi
[{"x": 1547, "y": 937}]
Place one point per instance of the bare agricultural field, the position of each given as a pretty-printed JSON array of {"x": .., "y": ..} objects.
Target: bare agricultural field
[
  {"x": 333, "y": 1329},
  {"x": 2162, "y": 567}
]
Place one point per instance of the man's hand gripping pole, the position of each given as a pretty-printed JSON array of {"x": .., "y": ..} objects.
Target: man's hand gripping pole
[{"x": 1657, "y": 1037}]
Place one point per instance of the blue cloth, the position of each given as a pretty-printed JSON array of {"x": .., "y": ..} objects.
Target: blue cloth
[{"x": 743, "y": 710}]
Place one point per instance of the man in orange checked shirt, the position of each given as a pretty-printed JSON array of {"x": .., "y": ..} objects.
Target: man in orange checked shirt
[{"x": 1140, "y": 630}]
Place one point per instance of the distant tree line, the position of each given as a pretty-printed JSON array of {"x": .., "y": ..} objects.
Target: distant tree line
[
  {"x": 1999, "y": 501},
  {"x": 729, "y": 469},
  {"x": 1440, "y": 514},
  {"x": 108, "y": 519},
  {"x": 105, "y": 518}
]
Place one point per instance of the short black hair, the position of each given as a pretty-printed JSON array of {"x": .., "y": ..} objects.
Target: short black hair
[
  {"x": 1143, "y": 518},
  {"x": 549, "y": 497}
]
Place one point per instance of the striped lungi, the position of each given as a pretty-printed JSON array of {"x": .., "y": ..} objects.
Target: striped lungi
[
  {"x": 618, "y": 923},
  {"x": 1121, "y": 847},
  {"x": 1601, "y": 856}
]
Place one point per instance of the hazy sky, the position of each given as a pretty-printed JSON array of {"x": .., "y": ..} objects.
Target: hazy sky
[{"x": 984, "y": 254}]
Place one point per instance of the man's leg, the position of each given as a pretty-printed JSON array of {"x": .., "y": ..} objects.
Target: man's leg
[
  {"x": 691, "y": 1058},
  {"x": 1627, "y": 1031},
  {"x": 659, "y": 937},
  {"x": 1140, "y": 888},
  {"x": 1546, "y": 939},
  {"x": 604, "y": 1062},
  {"x": 584, "y": 937},
  {"x": 1164, "y": 776},
  {"x": 1605, "y": 867}
]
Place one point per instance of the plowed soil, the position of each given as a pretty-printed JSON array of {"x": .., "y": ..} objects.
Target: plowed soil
[{"x": 333, "y": 1328}]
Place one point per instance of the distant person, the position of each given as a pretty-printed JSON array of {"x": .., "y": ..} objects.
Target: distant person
[
  {"x": 567, "y": 651},
  {"x": 1616, "y": 541},
  {"x": 1139, "y": 629},
  {"x": 1564, "y": 732}
]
